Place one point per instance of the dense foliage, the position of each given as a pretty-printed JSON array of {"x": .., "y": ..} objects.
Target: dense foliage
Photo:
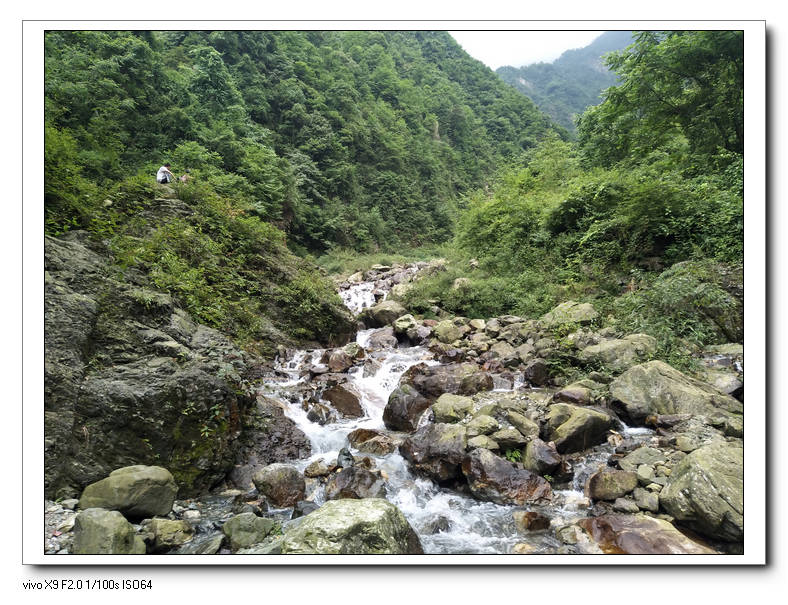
[
  {"x": 566, "y": 87},
  {"x": 358, "y": 139},
  {"x": 616, "y": 218}
]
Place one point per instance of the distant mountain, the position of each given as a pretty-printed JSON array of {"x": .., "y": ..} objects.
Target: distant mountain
[{"x": 571, "y": 83}]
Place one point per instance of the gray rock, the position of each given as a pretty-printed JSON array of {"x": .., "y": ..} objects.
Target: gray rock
[
  {"x": 706, "y": 491},
  {"x": 569, "y": 312},
  {"x": 642, "y": 455},
  {"x": 574, "y": 429},
  {"x": 620, "y": 354},
  {"x": 382, "y": 314},
  {"x": 540, "y": 457},
  {"x": 496, "y": 480},
  {"x": 405, "y": 408},
  {"x": 102, "y": 532},
  {"x": 358, "y": 527},
  {"x": 246, "y": 529},
  {"x": 281, "y": 483},
  {"x": 451, "y": 408},
  {"x": 482, "y": 424},
  {"x": 136, "y": 491},
  {"x": 355, "y": 482},
  {"x": 436, "y": 450},
  {"x": 610, "y": 484}
]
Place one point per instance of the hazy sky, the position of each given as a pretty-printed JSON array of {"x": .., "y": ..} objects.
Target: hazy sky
[{"x": 518, "y": 48}]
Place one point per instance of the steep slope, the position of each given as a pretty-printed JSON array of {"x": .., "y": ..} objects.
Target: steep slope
[{"x": 574, "y": 81}]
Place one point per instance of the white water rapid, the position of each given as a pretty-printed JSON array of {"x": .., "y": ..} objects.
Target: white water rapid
[{"x": 447, "y": 522}]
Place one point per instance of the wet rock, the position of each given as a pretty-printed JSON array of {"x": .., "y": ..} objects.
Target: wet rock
[
  {"x": 205, "y": 545},
  {"x": 569, "y": 312},
  {"x": 540, "y": 457},
  {"x": 404, "y": 409},
  {"x": 322, "y": 414},
  {"x": 705, "y": 491},
  {"x": 345, "y": 459},
  {"x": 610, "y": 484},
  {"x": 344, "y": 401},
  {"x": 303, "y": 508},
  {"x": 168, "y": 534},
  {"x": 382, "y": 314},
  {"x": 246, "y": 529},
  {"x": 451, "y": 408},
  {"x": 382, "y": 339},
  {"x": 639, "y": 535},
  {"x": 355, "y": 482},
  {"x": 497, "y": 480},
  {"x": 359, "y": 527},
  {"x": 458, "y": 379},
  {"x": 436, "y": 526},
  {"x": 436, "y": 450},
  {"x": 136, "y": 491},
  {"x": 339, "y": 361},
  {"x": 281, "y": 483},
  {"x": 527, "y": 521},
  {"x": 404, "y": 324},
  {"x": 103, "y": 532},
  {"x": 318, "y": 468},
  {"x": 574, "y": 429},
  {"x": 655, "y": 388}
]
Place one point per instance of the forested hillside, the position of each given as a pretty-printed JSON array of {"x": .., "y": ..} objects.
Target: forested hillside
[
  {"x": 359, "y": 139},
  {"x": 564, "y": 88}
]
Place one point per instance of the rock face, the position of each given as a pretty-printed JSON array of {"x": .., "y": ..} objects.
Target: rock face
[
  {"x": 355, "y": 482},
  {"x": 364, "y": 527},
  {"x": 436, "y": 450},
  {"x": 497, "y": 480},
  {"x": 130, "y": 379},
  {"x": 640, "y": 535},
  {"x": 574, "y": 429},
  {"x": 103, "y": 532},
  {"x": 706, "y": 491},
  {"x": 655, "y": 388},
  {"x": 136, "y": 491},
  {"x": 281, "y": 483}
]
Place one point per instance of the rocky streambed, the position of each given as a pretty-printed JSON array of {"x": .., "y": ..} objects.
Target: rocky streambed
[{"x": 455, "y": 436}]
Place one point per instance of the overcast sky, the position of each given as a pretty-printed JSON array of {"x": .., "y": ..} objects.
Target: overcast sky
[{"x": 518, "y": 48}]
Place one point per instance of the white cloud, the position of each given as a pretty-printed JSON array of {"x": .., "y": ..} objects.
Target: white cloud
[{"x": 518, "y": 48}]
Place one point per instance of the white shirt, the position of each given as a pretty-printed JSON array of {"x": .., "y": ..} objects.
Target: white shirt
[{"x": 162, "y": 172}]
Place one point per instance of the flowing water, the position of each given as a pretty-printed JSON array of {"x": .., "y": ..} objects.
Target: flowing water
[{"x": 446, "y": 521}]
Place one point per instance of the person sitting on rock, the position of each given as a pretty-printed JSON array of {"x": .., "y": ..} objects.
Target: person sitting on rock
[{"x": 164, "y": 176}]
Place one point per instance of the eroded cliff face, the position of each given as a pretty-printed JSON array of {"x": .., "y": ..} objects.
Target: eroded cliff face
[{"x": 130, "y": 378}]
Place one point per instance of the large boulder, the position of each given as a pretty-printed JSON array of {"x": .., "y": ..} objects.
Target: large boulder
[
  {"x": 103, "y": 532},
  {"x": 136, "y": 491},
  {"x": 620, "y": 354},
  {"x": 457, "y": 378},
  {"x": 574, "y": 428},
  {"x": 705, "y": 491},
  {"x": 610, "y": 484},
  {"x": 497, "y": 480},
  {"x": 640, "y": 535},
  {"x": 540, "y": 457},
  {"x": 569, "y": 312},
  {"x": 344, "y": 400},
  {"x": 246, "y": 529},
  {"x": 281, "y": 483},
  {"x": 436, "y": 450},
  {"x": 382, "y": 314},
  {"x": 355, "y": 482},
  {"x": 655, "y": 388},
  {"x": 371, "y": 526},
  {"x": 404, "y": 408},
  {"x": 382, "y": 339}
]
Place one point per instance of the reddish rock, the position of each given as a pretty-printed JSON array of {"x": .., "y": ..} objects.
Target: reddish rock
[
  {"x": 344, "y": 401},
  {"x": 640, "y": 535},
  {"x": 497, "y": 480}
]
